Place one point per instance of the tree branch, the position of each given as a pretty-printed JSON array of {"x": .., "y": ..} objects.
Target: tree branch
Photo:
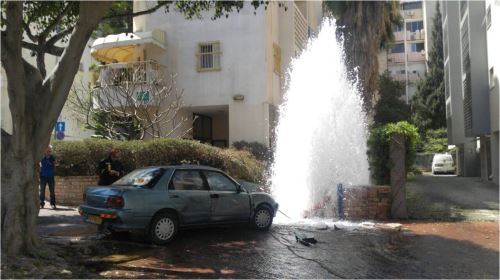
[
  {"x": 56, "y": 21},
  {"x": 59, "y": 36},
  {"x": 27, "y": 29},
  {"x": 145, "y": 12}
]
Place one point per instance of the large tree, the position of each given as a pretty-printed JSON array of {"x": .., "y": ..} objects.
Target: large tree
[
  {"x": 428, "y": 103},
  {"x": 390, "y": 108},
  {"x": 365, "y": 27},
  {"x": 36, "y": 97}
]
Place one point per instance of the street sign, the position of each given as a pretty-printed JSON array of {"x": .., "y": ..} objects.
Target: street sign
[
  {"x": 60, "y": 135},
  {"x": 60, "y": 126}
]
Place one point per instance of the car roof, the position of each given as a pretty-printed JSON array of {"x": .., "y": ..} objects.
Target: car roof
[{"x": 185, "y": 166}]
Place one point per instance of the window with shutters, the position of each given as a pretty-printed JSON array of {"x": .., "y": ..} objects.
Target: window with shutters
[{"x": 208, "y": 56}]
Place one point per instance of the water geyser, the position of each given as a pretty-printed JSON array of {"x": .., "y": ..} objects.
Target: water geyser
[{"x": 321, "y": 132}]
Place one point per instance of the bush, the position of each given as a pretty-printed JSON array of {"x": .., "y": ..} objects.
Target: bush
[
  {"x": 80, "y": 158},
  {"x": 378, "y": 149},
  {"x": 258, "y": 150},
  {"x": 436, "y": 141}
]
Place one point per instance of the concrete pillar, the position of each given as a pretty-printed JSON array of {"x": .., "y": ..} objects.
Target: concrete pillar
[
  {"x": 398, "y": 177},
  {"x": 494, "y": 156},
  {"x": 472, "y": 164},
  {"x": 483, "y": 155}
]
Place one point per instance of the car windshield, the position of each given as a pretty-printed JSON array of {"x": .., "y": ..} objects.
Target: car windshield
[{"x": 146, "y": 177}]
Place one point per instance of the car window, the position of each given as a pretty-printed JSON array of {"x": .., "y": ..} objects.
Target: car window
[
  {"x": 144, "y": 177},
  {"x": 219, "y": 182},
  {"x": 187, "y": 180}
]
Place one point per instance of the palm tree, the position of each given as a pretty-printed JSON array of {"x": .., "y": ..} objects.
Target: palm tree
[{"x": 366, "y": 27}]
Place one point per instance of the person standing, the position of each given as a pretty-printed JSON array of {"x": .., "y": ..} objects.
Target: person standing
[
  {"x": 47, "y": 172},
  {"x": 110, "y": 169}
]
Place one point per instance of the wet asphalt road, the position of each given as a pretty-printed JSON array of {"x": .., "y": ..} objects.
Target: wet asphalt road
[{"x": 241, "y": 252}]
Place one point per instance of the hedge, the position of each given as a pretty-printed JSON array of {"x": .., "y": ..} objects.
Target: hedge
[
  {"x": 378, "y": 149},
  {"x": 79, "y": 158}
]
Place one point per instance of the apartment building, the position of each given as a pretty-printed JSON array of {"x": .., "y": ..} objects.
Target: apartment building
[
  {"x": 406, "y": 59},
  {"x": 232, "y": 70},
  {"x": 470, "y": 43}
]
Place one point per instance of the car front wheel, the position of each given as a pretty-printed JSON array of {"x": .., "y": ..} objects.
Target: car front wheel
[
  {"x": 163, "y": 228},
  {"x": 263, "y": 218}
]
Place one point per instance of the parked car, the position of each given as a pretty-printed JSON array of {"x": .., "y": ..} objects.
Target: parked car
[
  {"x": 442, "y": 163},
  {"x": 162, "y": 199}
]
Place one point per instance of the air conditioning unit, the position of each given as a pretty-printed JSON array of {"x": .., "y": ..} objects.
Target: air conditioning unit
[{"x": 410, "y": 13}]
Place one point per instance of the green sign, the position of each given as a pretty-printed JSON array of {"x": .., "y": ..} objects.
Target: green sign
[{"x": 143, "y": 96}]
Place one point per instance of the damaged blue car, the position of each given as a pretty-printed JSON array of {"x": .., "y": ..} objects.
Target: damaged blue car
[{"x": 161, "y": 199}]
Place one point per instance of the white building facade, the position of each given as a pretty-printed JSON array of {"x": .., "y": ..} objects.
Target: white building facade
[
  {"x": 232, "y": 70},
  {"x": 470, "y": 43}
]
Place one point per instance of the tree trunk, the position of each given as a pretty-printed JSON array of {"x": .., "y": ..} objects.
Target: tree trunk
[
  {"x": 19, "y": 198},
  {"x": 35, "y": 105}
]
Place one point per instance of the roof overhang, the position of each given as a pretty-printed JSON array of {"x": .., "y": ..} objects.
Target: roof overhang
[{"x": 120, "y": 47}]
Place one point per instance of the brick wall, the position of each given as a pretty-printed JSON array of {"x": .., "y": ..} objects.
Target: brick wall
[
  {"x": 69, "y": 190},
  {"x": 367, "y": 202}
]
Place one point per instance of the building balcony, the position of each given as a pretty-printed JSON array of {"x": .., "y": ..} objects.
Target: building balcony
[
  {"x": 121, "y": 74},
  {"x": 412, "y": 77},
  {"x": 416, "y": 56},
  {"x": 416, "y": 35},
  {"x": 124, "y": 86},
  {"x": 398, "y": 58},
  {"x": 410, "y": 36}
]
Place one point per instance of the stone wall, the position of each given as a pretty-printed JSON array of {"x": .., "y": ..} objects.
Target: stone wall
[
  {"x": 69, "y": 190},
  {"x": 367, "y": 202}
]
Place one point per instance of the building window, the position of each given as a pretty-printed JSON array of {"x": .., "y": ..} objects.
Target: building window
[
  {"x": 412, "y": 5},
  {"x": 417, "y": 47},
  {"x": 398, "y": 48},
  {"x": 492, "y": 78},
  {"x": 414, "y": 26},
  {"x": 277, "y": 59},
  {"x": 209, "y": 56}
]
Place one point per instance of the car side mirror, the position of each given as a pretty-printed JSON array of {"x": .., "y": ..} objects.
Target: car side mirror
[{"x": 238, "y": 189}]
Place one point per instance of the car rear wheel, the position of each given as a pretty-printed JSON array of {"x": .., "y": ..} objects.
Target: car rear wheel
[
  {"x": 163, "y": 228},
  {"x": 263, "y": 218}
]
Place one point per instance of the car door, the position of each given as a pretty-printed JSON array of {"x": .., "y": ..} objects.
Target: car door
[
  {"x": 228, "y": 203},
  {"x": 189, "y": 194}
]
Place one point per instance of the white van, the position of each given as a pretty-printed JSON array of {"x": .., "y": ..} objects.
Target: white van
[{"x": 443, "y": 163}]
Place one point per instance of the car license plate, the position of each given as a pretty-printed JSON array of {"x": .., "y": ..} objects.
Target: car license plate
[{"x": 94, "y": 219}]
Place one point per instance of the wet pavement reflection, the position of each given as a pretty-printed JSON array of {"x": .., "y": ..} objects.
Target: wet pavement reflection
[{"x": 348, "y": 250}]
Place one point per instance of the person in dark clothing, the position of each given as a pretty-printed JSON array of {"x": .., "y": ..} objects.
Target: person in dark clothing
[
  {"x": 47, "y": 172},
  {"x": 110, "y": 169}
]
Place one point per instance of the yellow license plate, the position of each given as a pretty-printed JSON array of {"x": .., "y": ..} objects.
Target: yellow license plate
[{"x": 94, "y": 219}]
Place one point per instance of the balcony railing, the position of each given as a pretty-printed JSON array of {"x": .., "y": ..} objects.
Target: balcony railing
[
  {"x": 396, "y": 58},
  {"x": 131, "y": 72},
  {"x": 416, "y": 56},
  {"x": 410, "y": 36},
  {"x": 412, "y": 77}
]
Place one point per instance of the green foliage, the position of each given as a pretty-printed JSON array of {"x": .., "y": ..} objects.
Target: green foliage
[
  {"x": 79, "y": 158},
  {"x": 428, "y": 103},
  {"x": 378, "y": 149},
  {"x": 258, "y": 150},
  {"x": 116, "y": 25},
  {"x": 436, "y": 141},
  {"x": 390, "y": 107}
]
